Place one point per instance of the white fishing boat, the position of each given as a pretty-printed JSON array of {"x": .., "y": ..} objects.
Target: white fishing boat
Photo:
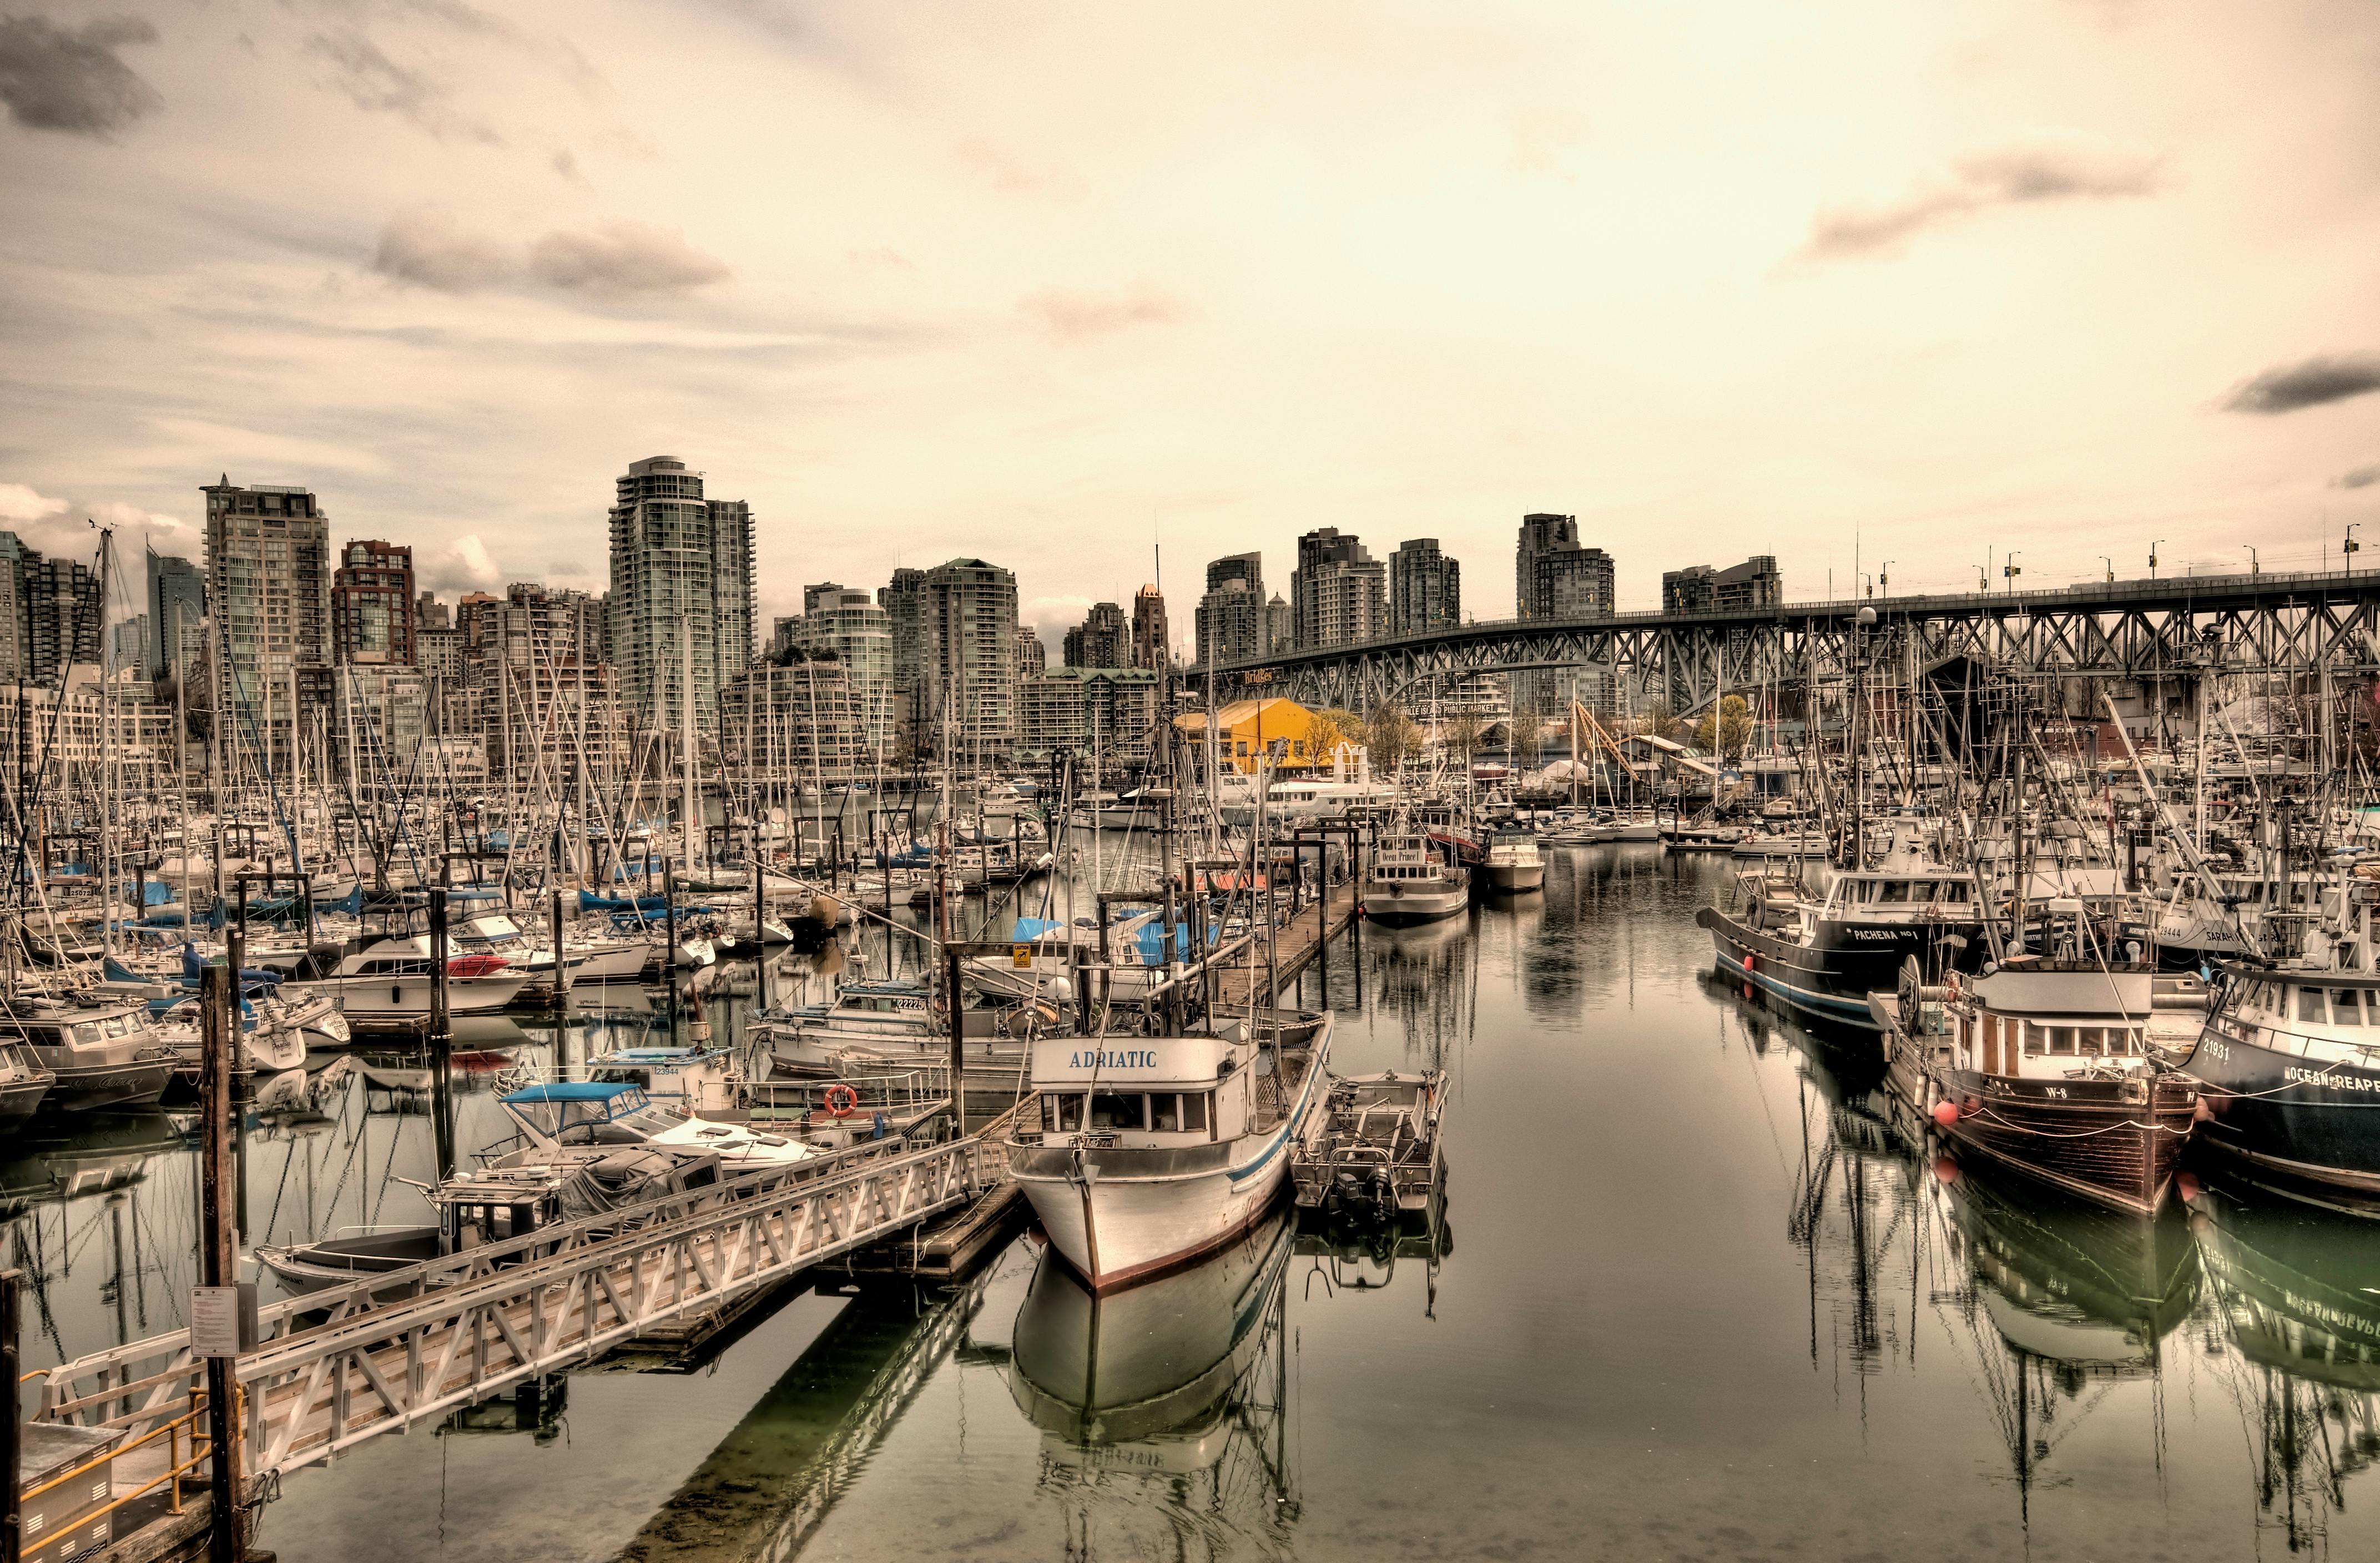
[
  {"x": 1514, "y": 863},
  {"x": 1152, "y": 1151},
  {"x": 1408, "y": 883}
]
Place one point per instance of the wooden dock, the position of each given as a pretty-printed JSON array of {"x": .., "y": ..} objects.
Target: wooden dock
[{"x": 1297, "y": 942}]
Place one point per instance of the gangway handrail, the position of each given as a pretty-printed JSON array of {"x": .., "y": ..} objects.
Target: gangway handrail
[{"x": 598, "y": 1286}]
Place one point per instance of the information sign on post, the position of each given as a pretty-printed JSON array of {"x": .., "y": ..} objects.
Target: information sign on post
[{"x": 222, "y": 1320}]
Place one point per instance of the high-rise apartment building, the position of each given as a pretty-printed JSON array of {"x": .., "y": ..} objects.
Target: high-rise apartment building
[
  {"x": 849, "y": 627},
  {"x": 269, "y": 585},
  {"x": 1152, "y": 644},
  {"x": 1032, "y": 657},
  {"x": 1280, "y": 625},
  {"x": 1699, "y": 588},
  {"x": 682, "y": 583},
  {"x": 1230, "y": 617},
  {"x": 1424, "y": 589},
  {"x": 1102, "y": 641},
  {"x": 13, "y": 650},
  {"x": 1573, "y": 583},
  {"x": 967, "y": 695},
  {"x": 177, "y": 607},
  {"x": 372, "y": 604},
  {"x": 63, "y": 615},
  {"x": 1338, "y": 593},
  {"x": 1110, "y": 713},
  {"x": 1541, "y": 533}
]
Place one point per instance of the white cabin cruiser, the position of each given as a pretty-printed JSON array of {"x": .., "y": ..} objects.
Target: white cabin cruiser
[
  {"x": 1153, "y": 1151},
  {"x": 1513, "y": 861}
]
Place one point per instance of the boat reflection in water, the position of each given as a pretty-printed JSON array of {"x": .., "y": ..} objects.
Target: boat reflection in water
[
  {"x": 1181, "y": 1383},
  {"x": 2298, "y": 1287},
  {"x": 2064, "y": 1302}
]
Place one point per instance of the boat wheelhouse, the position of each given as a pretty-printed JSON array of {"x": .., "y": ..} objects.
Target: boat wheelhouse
[{"x": 1151, "y": 1152}]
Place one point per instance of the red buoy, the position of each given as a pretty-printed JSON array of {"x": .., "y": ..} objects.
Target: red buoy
[
  {"x": 1747, "y": 963},
  {"x": 1946, "y": 1113},
  {"x": 2186, "y": 1185},
  {"x": 1946, "y": 1171}
]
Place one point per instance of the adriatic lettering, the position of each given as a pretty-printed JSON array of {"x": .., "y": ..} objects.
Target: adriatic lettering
[{"x": 1130, "y": 1058}]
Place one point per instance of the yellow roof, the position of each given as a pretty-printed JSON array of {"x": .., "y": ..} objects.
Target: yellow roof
[{"x": 1274, "y": 712}]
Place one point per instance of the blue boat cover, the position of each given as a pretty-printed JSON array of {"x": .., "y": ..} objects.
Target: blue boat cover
[{"x": 570, "y": 1091}]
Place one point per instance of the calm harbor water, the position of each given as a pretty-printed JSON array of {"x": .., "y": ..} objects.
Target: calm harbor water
[{"x": 1700, "y": 1296}]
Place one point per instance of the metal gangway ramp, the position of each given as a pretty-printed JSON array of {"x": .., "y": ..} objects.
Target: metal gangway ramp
[{"x": 412, "y": 1344}]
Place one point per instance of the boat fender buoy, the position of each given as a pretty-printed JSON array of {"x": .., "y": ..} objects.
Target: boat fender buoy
[
  {"x": 2186, "y": 1185},
  {"x": 1946, "y": 1112},
  {"x": 1747, "y": 961},
  {"x": 1946, "y": 1171}
]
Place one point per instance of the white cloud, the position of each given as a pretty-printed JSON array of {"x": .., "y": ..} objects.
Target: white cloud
[
  {"x": 22, "y": 505},
  {"x": 462, "y": 566}
]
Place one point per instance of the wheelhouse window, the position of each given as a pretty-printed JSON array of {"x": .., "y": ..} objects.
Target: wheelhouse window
[
  {"x": 1110, "y": 1110},
  {"x": 2034, "y": 1036},
  {"x": 2346, "y": 1007},
  {"x": 2061, "y": 1039},
  {"x": 1061, "y": 1113},
  {"x": 2310, "y": 1005}
]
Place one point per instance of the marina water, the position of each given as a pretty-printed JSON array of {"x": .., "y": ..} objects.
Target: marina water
[{"x": 1697, "y": 1295}]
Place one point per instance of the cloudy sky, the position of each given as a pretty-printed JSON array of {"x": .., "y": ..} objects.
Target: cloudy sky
[{"x": 1051, "y": 283}]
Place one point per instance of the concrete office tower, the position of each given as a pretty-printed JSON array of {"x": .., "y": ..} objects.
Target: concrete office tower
[
  {"x": 177, "y": 608},
  {"x": 967, "y": 695},
  {"x": 1424, "y": 589},
  {"x": 269, "y": 587},
  {"x": 371, "y": 605},
  {"x": 1102, "y": 641},
  {"x": 1699, "y": 588},
  {"x": 1338, "y": 593},
  {"x": 1152, "y": 644},
  {"x": 1230, "y": 617},
  {"x": 1280, "y": 627},
  {"x": 851, "y": 628},
  {"x": 681, "y": 566}
]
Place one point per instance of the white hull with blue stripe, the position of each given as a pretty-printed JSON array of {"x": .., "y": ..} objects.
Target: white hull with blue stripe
[{"x": 1140, "y": 1154}]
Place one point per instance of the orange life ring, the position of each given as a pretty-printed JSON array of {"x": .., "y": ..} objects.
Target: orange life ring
[{"x": 842, "y": 1101}]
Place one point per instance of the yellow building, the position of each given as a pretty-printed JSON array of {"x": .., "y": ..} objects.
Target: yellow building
[{"x": 1245, "y": 727}]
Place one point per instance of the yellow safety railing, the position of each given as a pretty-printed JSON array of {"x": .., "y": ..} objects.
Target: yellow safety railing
[{"x": 184, "y": 1432}]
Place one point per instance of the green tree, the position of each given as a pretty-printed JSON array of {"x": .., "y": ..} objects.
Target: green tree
[{"x": 1724, "y": 730}]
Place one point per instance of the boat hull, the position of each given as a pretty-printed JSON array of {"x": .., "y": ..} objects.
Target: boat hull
[
  {"x": 2262, "y": 1109},
  {"x": 2089, "y": 1141},
  {"x": 1392, "y": 909},
  {"x": 93, "y": 1086},
  {"x": 1506, "y": 878},
  {"x": 1832, "y": 976}
]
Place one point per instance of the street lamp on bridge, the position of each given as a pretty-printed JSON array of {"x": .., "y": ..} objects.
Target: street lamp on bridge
[
  {"x": 2153, "y": 548},
  {"x": 2351, "y": 546},
  {"x": 2011, "y": 570},
  {"x": 1884, "y": 579},
  {"x": 2111, "y": 568},
  {"x": 2256, "y": 566}
]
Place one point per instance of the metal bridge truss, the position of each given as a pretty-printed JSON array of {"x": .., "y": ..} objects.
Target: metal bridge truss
[
  {"x": 2182, "y": 629},
  {"x": 469, "y": 1325}
]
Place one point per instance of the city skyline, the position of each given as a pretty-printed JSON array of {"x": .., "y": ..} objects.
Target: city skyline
[{"x": 1782, "y": 285}]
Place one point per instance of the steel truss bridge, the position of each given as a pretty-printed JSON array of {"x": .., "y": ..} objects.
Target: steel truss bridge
[{"x": 2181, "y": 628}]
